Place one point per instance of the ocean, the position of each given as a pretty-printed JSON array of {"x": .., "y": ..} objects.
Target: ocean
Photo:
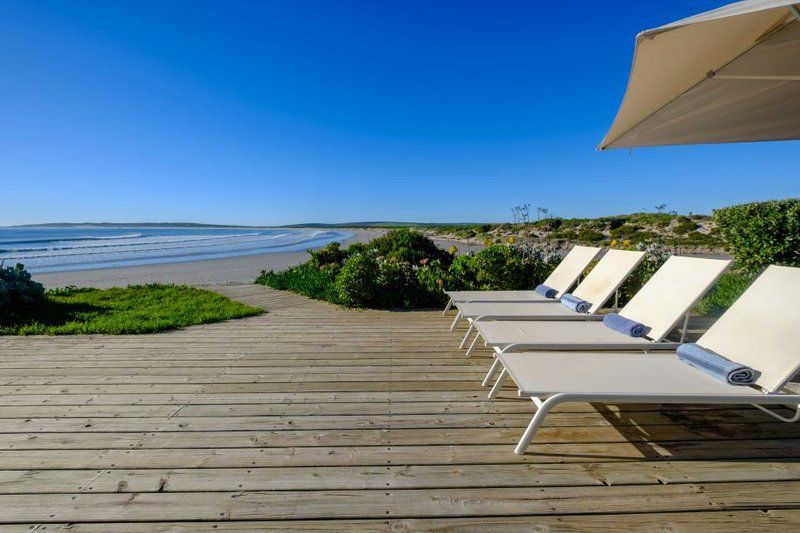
[{"x": 57, "y": 249}]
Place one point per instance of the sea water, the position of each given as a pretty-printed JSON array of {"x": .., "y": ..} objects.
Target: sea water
[{"x": 54, "y": 249}]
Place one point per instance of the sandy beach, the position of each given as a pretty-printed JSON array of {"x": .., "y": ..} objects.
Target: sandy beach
[{"x": 227, "y": 271}]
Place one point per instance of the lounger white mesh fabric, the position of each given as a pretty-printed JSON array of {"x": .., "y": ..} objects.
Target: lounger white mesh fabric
[
  {"x": 547, "y": 373},
  {"x": 671, "y": 293},
  {"x": 607, "y": 276},
  {"x": 521, "y": 310},
  {"x": 598, "y": 286},
  {"x": 544, "y": 335},
  {"x": 759, "y": 330},
  {"x": 561, "y": 279}
]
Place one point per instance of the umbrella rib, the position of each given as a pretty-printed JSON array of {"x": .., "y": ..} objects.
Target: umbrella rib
[
  {"x": 772, "y": 78},
  {"x": 794, "y": 11}
]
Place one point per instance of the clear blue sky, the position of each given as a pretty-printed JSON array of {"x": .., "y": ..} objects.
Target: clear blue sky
[{"x": 292, "y": 111}]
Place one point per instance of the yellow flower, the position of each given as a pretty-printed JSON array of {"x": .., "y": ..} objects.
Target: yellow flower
[
  {"x": 626, "y": 242},
  {"x": 487, "y": 241},
  {"x": 453, "y": 250},
  {"x": 512, "y": 239},
  {"x": 613, "y": 243}
]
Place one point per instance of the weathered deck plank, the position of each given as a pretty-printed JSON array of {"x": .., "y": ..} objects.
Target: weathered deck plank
[{"x": 336, "y": 419}]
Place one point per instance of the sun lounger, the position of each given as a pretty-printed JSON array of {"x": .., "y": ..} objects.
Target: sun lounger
[
  {"x": 660, "y": 304},
  {"x": 597, "y": 288},
  {"x": 561, "y": 279},
  {"x": 759, "y": 331}
]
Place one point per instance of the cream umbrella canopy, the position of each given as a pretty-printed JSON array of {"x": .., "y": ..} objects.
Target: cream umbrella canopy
[{"x": 727, "y": 75}]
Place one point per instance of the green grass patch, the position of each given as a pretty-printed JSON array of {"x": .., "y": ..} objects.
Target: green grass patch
[{"x": 134, "y": 309}]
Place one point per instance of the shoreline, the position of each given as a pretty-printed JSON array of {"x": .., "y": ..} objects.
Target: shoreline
[{"x": 225, "y": 271}]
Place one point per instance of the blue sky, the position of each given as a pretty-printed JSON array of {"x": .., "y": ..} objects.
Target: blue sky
[{"x": 292, "y": 111}]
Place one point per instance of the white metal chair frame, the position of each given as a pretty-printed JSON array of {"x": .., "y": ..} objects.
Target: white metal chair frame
[{"x": 544, "y": 407}]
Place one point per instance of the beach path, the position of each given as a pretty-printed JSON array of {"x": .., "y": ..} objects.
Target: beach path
[{"x": 315, "y": 417}]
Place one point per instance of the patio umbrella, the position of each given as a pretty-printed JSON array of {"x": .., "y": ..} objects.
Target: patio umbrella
[{"x": 727, "y": 75}]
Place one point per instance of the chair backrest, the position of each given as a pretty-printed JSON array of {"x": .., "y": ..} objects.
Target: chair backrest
[
  {"x": 672, "y": 292},
  {"x": 606, "y": 277},
  {"x": 762, "y": 328},
  {"x": 570, "y": 268}
]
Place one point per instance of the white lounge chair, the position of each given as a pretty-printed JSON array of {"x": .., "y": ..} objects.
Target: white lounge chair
[
  {"x": 759, "y": 330},
  {"x": 561, "y": 279},
  {"x": 596, "y": 288},
  {"x": 660, "y": 304}
]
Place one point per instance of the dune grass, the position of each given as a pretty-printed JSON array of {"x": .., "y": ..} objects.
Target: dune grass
[{"x": 134, "y": 309}]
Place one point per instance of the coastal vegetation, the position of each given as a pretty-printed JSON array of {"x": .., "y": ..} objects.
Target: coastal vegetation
[
  {"x": 133, "y": 309},
  {"x": 758, "y": 234},
  {"x": 664, "y": 229},
  {"x": 405, "y": 269}
]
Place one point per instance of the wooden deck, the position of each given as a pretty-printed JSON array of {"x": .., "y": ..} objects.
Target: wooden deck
[{"x": 313, "y": 417}]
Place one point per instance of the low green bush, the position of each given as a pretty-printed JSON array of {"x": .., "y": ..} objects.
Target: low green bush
[
  {"x": 684, "y": 225},
  {"x": 359, "y": 282},
  {"x": 590, "y": 235},
  {"x": 405, "y": 269},
  {"x": 405, "y": 245},
  {"x": 502, "y": 267},
  {"x": 17, "y": 290},
  {"x": 307, "y": 279},
  {"x": 762, "y": 233},
  {"x": 330, "y": 254}
]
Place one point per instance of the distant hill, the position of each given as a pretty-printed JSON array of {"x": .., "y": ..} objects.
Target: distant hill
[
  {"x": 128, "y": 225},
  {"x": 379, "y": 224}
]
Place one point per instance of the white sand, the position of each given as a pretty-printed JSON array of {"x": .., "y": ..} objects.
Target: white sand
[{"x": 228, "y": 271}]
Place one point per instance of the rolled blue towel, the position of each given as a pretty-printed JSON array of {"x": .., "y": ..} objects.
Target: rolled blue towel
[
  {"x": 546, "y": 291},
  {"x": 579, "y": 305},
  {"x": 715, "y": 365},
  {"x": 624, "y": 325}
]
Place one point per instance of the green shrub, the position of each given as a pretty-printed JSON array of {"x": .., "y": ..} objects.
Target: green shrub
[
  {"x": 359, "y": 282},
  {"x": 624, "y": 231},
  {"x": 407, "y": 245},
  {"x": 590, "y": 235},
  {"x": 17, "y": 290},
  {"x": 729, "y": 287},
  {"x": 684, "y": 226},
  {"x": 330, "y": 254},
  {"x": 762, "y": 233},
  {"x": 400, "y": 286},
  {"x": 307, "y": 279},
  {"x": 386, "y": 272},
  {"x": 501, "y": 267},
  {"x": 435, "y": 278}
]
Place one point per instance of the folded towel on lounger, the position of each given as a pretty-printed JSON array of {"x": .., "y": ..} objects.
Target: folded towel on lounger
[
  {"x": 546, "y": 291},
  {"x": 625, "y": 325},
  {"x": 579, "y": 305},
  {"x": 715, "y": 365}
]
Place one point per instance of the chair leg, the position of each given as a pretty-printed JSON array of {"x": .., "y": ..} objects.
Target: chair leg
[
  {"x": 466, "y": 335},
  {"x": 448, "y": 306},
  {"x": 498, "y": 385},
  {"x": 533, "y": 427},
  {"x": 472, "y": 346},
  {"x": 491, "y": 372},
  {"x": 455, "y": 321}
]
